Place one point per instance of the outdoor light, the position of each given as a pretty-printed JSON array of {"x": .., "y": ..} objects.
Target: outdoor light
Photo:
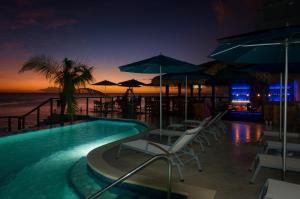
[
  {"x": 258, "y": 95},
  {"x": 274, "y": 91},
  {"x": 240, "y": 93}
]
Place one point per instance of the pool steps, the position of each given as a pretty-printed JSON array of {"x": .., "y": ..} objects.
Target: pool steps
[{"x": 85, "y": 184}]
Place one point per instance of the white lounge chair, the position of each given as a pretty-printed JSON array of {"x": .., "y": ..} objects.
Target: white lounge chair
[
  {"x": 178, "y": 149},
  {"x": 273, "y": 162},
  {"x": 277, "y": 189},
  {"x": 276, "y": 134},
  {"x": 169, "y": 133},
  {"x": 275, "y": 145}
]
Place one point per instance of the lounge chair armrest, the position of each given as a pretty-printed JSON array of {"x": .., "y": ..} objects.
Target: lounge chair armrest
[{"x": 159, "y": 147}]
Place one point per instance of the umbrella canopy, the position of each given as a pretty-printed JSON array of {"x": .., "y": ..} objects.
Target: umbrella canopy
[
  {"x": 229, "y": 75},
  {"x": 154, "y": 64},
  {"x": 105, "y": 83},
  {"x": 131, "y": 83},
  {"x": 274, "y": 46},
  {"x": 159, "y": 64},
  {"x": 173, "y": 78},
  {"x": 260, "y": 47}
]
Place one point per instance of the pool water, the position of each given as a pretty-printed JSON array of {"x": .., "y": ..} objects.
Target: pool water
[{"x": 35, "y": 164}]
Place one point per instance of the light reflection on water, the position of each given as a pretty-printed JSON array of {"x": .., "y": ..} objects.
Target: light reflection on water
[{"x": 245, "y": 132}]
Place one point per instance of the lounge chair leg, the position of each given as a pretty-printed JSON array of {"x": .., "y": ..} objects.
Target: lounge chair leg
[
  {"x": 266, "y": 149},
  {"x": 197, "y": 161},
  {"x": 255, "y": 174},
  {"x": 169, "y": 140},
  {"x": 253, "y": 163},
  {"x": 119, "y": 152},
  {"x": 206, "y": 139},
  {"x": 179, "y": 173},
  {"x": 178, "y": 159},
  {"x": 201, "y": 146}
]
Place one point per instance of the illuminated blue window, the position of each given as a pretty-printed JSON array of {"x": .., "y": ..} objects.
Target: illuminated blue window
[
  {"x": 274, "y": 92},
  {"x": 240, "y": 93}
]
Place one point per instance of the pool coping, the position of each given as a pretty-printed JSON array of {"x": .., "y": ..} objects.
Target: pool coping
[
  {"x": 97, "y": 163},
  {"x": 52, "y": 126}
]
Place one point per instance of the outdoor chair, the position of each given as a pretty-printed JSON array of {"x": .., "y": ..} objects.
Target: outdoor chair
[
  {"x": 266, "y": 134},
  {"x": 273, "y": 162},
  {"x": 277, "y": 189},
  {"x": 170, "y": 133},
  {"x": 275, "y": 145},
  {"x": 175, "y": 152}
]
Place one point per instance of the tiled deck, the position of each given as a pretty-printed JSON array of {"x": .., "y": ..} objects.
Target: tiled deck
[{"x": 225, "y": 164}]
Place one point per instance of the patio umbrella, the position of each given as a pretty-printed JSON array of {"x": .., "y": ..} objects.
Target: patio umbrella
[
  {"x": 159, "y": 64},
  {"x": 105, "y": 83},
  {"x": 131, "y": 83},
  {"x": 281, "y": 45},
  {"x": 195, "y": 76}
]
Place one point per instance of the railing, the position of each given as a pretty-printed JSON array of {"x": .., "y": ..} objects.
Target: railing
[
  {"x": 137, "y": 169},
  {"x": 19, "y": 122}
]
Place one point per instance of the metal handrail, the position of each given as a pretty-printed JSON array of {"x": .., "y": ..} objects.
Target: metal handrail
[{"x": 134, "y": 171}]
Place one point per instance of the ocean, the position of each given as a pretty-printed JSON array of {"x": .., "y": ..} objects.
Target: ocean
[{"x": 18, "y": 104}]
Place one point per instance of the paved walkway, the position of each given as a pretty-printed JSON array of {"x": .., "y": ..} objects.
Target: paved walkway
[{"x": 225, "y": 164}]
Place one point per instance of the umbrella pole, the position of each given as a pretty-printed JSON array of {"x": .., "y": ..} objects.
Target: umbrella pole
[
  {"x": 160, "y": 100},
  {"x": 186, "y": 105},
  {"x": 285, "y": 111},
  {"x": 280, "y": 108}
]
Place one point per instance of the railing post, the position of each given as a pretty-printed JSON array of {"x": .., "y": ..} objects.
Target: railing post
[
  {"x": 9, "y": 124},
  {"x": 23, "y": 122},
  {"x": 38, "y": 117},
  {"x": 51, "y": 106},
  {"x": 19, "y": 123},
  {"x": 87, "y": 106},
  {"x": 112, "y": 104}
]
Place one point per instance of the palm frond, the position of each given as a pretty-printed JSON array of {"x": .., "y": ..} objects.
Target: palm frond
[
  {"x": 83, "y": 75},
  {"x": 42, "y": 64}
]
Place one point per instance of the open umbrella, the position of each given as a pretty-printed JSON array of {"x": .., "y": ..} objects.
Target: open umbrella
[
  {"x": 105, "y": 83},
  {"x": 159, "y": 64},
  {"x": 131, "y": 83},
  {"x": 281, "y": 45}
]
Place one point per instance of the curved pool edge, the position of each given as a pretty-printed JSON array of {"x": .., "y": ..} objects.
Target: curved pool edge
[
  {"x": 53, "y": 126},
  {"x": 97, "y": 163}
]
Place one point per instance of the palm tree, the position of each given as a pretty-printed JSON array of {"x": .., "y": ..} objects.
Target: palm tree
[{"x": 69, "y": 76}]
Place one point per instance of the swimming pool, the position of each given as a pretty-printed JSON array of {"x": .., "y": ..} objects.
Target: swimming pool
[{"x": 35, "y": 164}]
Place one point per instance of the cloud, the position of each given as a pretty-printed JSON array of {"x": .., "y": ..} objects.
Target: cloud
[
  {"x": 30, "y": 18},
  {"x": 23, "y": 2},
  {"x": 222, "y": 12},
  {"x": 14, "y": 49},
  {"x": 36, "y": 14},
  {"x": 59, "y": 23}
]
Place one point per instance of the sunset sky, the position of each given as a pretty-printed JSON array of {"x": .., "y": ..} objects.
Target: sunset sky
[{"x": 110, "y": 33}]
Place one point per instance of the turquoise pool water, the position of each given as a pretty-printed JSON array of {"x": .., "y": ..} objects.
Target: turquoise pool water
[{"x": 35, "y": 164}]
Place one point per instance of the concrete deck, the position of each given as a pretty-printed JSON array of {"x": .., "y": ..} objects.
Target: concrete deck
[{"x": 225, "y": 166}]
